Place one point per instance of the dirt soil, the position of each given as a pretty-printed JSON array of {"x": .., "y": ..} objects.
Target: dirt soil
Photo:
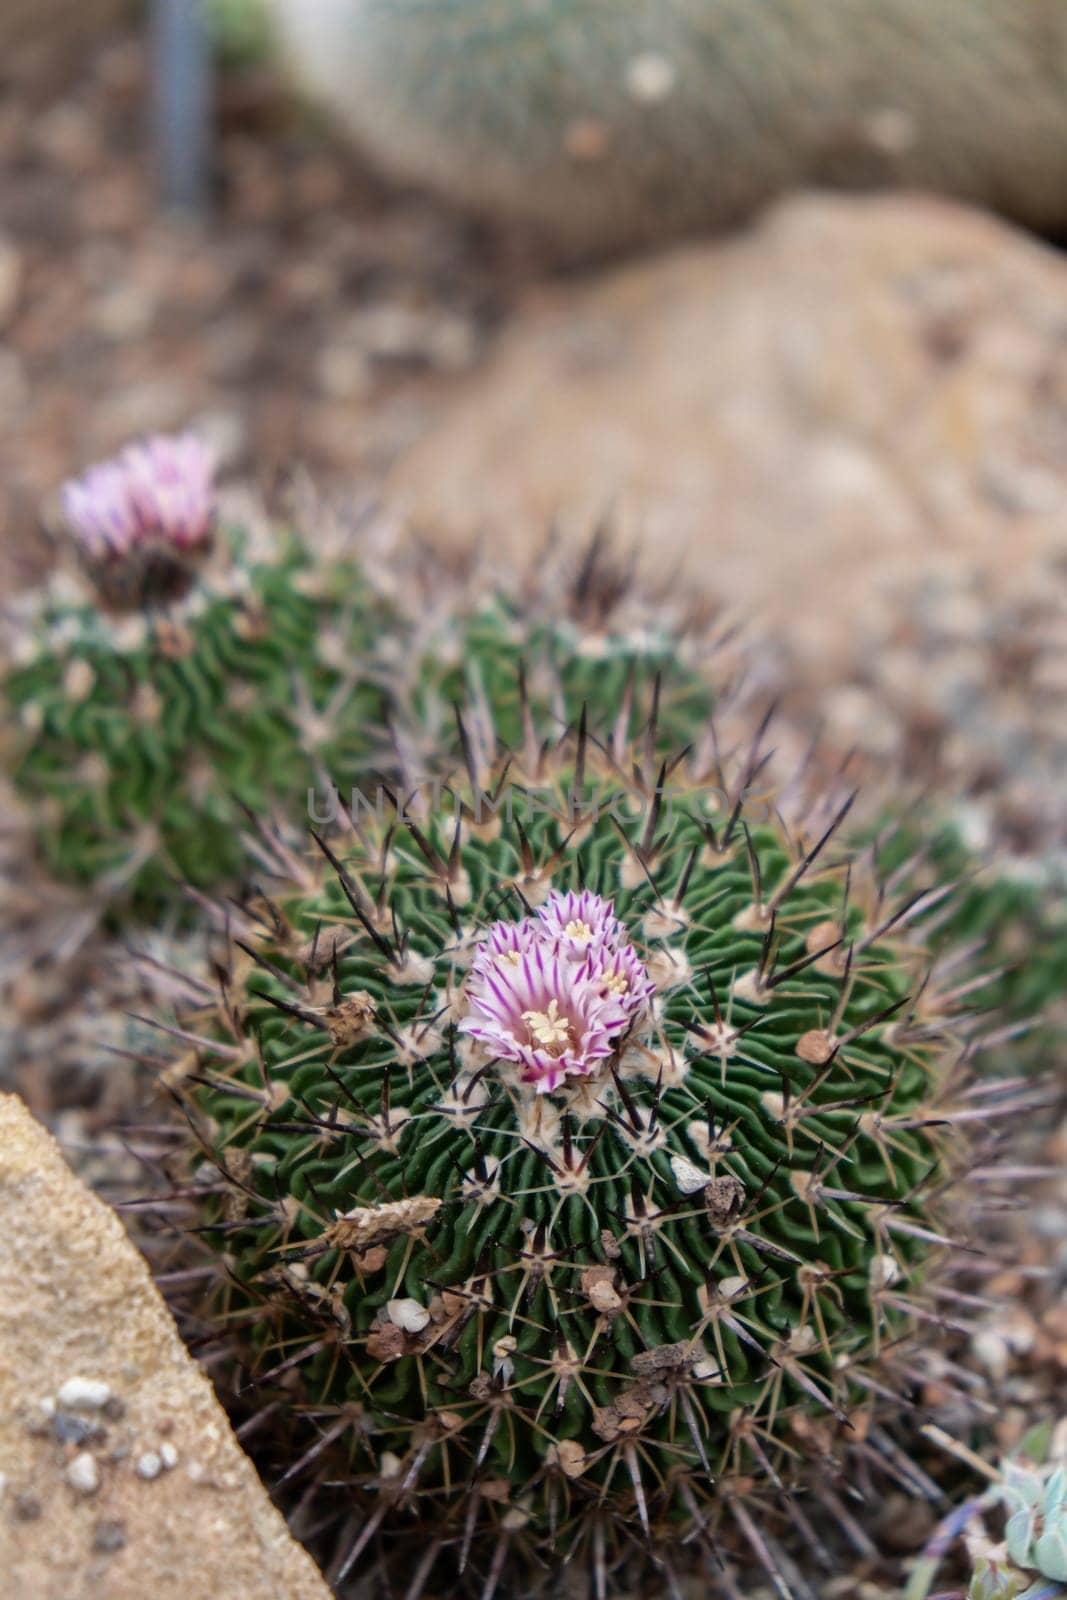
[{"x": 313, "y": 319}]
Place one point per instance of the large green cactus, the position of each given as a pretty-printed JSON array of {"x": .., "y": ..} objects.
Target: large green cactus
[
  {"x": 607, "y": 122},
  {"x": 573, "y": 1163}
]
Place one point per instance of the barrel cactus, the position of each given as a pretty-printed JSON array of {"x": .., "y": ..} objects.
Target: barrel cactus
[
  {"x": 185, "y": 673},
  {"x": 575, "y": 1143},
  {"x": 609, "y": 124}
]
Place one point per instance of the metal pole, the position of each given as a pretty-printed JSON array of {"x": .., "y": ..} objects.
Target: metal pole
[{"x": 182, "y": 102}]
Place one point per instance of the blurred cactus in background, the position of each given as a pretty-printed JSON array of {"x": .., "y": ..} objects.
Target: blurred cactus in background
[
  {"x": 606, "y": 125},
  {"x": 192, "y": 672}
]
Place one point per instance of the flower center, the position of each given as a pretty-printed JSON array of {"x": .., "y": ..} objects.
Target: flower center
[
  {"x": 548, "y": 1028},
  {"x": 577, "y": 929},
  {"x": 616, "y": 983}
]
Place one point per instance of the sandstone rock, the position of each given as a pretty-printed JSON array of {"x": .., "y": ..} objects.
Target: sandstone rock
[
  {"x": 855, "y": 395},
  {"x": 78, "y": 1311}
]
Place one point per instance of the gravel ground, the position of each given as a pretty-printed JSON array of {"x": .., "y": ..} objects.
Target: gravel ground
[{"x": 313, "y": 319}]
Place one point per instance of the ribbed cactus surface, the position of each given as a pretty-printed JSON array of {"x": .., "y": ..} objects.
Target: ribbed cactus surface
[
  {"x": 574, "y": 1160},
  {"x": 138, "y": 739}
]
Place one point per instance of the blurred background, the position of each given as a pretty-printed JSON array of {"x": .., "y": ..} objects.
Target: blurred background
[
  {"x": 816, "y": 358},
  {"x": 305, "y": 315}
]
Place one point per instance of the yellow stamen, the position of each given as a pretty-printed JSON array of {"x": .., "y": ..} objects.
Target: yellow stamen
[
  {"x": 616, "y": 983},
  {"x": 548, "y": 1028},
  {"x": 578, "y": 930}
]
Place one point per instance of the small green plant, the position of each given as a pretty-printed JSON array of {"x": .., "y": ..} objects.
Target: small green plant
[
  {"x": 1036, "y": 1531},
  {"x": 577, "y": 1154},
  {"x": 239, "y": 30},
  {"x": 1031, "y": 1561}
]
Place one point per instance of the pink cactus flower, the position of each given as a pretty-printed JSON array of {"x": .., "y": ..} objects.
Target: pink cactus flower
[
  {"x": 505, "y": 941},
  {"x": 554, "y": 992},
  {"x": 578, "y": 920},
  {"x": 621, "y": 972},
  {"x": 160, "y": 491}
]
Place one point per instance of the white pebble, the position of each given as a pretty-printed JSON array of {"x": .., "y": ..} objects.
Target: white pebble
[
  {"x": 168, "y": 1454},
  {"x": 149, "y": 1465},
  {"x": 3, "y": 1484},
  {"x": 83, "y": 1474},
  {"x": 47, "y": 1407},
  {"x": 87, "y": 1394}
]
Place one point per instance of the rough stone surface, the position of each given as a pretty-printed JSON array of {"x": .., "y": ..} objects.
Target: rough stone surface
[
  {"x": 855, "y": 394},
  {"x": 77, "y": 1301}
]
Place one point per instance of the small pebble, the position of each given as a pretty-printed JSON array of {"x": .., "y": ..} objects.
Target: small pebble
[
  {"x": 149, "y": 1465},
  {"x": 83, "y": 1474},
  {"x": 650, "y": 77},
  {"x": 27, "y": 1508},
  {"x": 85, "y": 1394},
  {"x": 109, "y": 1537},
  {"x": 73, "y": 1430},
  {"x": 168, "y": 1455}
]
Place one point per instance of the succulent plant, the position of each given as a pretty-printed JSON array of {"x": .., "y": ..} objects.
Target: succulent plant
[
  {"x": 609, "y": 124},
  {"x": 575, "y": 1161},
  {"x": 998, "y": 1580},
  {"x": 1036, "y": 1533},
  {"x": 1031, "y": 1562},
  {"x": 182, "y": 677}
]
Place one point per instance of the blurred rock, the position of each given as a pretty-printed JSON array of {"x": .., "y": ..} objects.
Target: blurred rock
[
  {"x": 856, "y": 394},
  {"x": 29, "y": 23},
  {"x": 80, "y": 1319}
]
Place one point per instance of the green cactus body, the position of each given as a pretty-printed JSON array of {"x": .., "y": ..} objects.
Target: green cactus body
[
  {"x": 519, "y": 671},
  {"x": 639, "y": 1299},
  {"x": 609, "y": 123},
  {"x": 1017, "y": 926},
  {"x": 139, "y": 737}
]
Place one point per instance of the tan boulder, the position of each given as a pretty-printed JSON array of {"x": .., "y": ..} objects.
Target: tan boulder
[
  {"x": 853, "y": 394},
  {"x": 119, "y": 1473}
]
